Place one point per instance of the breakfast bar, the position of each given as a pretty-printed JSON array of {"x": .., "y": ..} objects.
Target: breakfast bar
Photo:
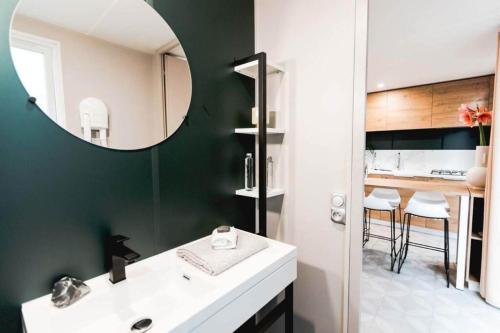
[{"x": 449, "y": 188}]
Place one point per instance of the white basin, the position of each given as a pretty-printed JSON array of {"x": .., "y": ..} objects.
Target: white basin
[{"x": 156, "y": 288}]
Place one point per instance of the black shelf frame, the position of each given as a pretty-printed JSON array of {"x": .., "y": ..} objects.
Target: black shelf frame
[
  {"x": 285, "y": 307},
  {"x": 262, "y": 136}
]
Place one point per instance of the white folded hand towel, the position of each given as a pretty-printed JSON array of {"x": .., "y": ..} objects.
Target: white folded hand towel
[{"x": 201, "y": 254}]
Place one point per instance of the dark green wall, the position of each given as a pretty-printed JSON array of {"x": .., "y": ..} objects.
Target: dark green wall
[{"x": 61, "y": 196}]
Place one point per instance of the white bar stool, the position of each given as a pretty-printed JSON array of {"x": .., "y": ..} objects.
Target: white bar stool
[
  {"x": 383, "y": 200},
  {"x": 432, "y": 205},
  {"x": 432, "y": 197}
]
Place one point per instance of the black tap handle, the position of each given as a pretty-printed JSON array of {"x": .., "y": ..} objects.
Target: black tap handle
[
  {"x": 118, "y": 239},
  {"x": 131, "y": 256},
  {"x": 119, "y": 249}
]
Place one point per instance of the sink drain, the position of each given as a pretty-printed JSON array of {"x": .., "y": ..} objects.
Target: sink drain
[{"x": 142, "y": 326}]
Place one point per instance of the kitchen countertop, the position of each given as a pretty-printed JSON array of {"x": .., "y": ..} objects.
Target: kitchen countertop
[
  {"x": 409, "y": 174},
  {"x": 447, "y": 187},
  {"x": 476, "y": 192}
]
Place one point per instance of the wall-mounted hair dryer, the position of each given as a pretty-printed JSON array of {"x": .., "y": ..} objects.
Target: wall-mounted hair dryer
[{"x": 94, "y": 117}]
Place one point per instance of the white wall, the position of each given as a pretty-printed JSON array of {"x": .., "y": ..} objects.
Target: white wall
[
  {"x": 427, "y": 41},
  {"x": 314, "y": 41}
]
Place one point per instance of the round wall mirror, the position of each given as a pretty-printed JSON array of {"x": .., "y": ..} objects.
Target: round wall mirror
[{"x": 111, "y": 72}]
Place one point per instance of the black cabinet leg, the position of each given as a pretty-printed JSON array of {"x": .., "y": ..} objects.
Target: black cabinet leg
[
  {"x": 289, "y": 309},
  {"x": 248, "y": 327},
  {"x": 284, "y": 308}
]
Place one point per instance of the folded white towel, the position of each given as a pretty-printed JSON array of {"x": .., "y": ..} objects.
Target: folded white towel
[
  {"x": 224, "y": 240},
  {"x": 201, "y": 254}
]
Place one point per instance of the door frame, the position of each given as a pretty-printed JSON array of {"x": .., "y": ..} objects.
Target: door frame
[
  {"x": 490, "y": 233},
  {"x": 354, "y": 228},
  {"x": 52, "y": 51}
]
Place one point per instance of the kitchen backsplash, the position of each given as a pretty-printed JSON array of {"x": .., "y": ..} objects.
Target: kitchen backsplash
[{"x": 420, "y": 161}]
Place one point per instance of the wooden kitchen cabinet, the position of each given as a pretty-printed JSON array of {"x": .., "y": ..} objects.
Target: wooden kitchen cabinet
[
  {"x": 427, "y": 106},
  {"x": 409, "y": 108},
  {"x": 448, "y": 96},
  {"x": 376, "y": 118}
]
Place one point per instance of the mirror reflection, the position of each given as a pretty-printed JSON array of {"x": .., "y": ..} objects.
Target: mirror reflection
[{"x": 111, "y": 72}]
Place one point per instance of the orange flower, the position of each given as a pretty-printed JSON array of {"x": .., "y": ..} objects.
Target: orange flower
[
  {"x": 477, "y": 116},
  {"x": 465, "y": 116},
  {"x": 464, "y": 108},
  {"x": 484, "y": 116}
]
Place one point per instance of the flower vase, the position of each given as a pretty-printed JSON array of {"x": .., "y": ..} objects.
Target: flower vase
[{"x": 476, "y": 176}]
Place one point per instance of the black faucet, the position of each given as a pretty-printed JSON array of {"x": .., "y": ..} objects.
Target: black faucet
[{"x": 120, "y": 256}]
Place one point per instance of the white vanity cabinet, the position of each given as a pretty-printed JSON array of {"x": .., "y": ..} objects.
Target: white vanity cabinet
[{"x": 175, "y": 295}]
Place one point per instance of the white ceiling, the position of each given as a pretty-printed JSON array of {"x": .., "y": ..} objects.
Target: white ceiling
[
  {"x": 412, "y": 42},
  {"x": 130, "y": 23}
]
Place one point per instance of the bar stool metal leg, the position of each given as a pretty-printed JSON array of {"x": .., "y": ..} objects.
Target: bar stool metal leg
[
  {"x": 400, "y": 222},
  {"x": 404, "y": 248},
  {"x": 447, "y": 251},
  {"x": 393, "y": 239},
  {"x": 365, "y": 227},
  {"x": 369, "y": 225},
  {"x": 408, "y": 227},
  {"x": 401, "y": 232}
]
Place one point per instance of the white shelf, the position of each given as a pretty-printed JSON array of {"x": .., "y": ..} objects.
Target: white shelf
[
  {"x": 476, "y": 236},
  {"x": 255, "y": 131},
  {"x": 251, "y": 69},
  {"x": 255, "y": 193}
]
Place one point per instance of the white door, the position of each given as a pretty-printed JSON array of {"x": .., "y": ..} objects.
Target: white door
[{"x": 319, "y": 102}]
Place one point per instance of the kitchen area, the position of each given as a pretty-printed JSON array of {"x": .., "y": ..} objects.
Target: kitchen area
[
  {"x": 430, "y": 244},
  {"x": 416, "y": 142},
  {"x": 425, "y": 174}
]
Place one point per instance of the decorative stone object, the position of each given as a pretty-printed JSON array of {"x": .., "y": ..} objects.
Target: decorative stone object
[{"x": 67, "y": 291}]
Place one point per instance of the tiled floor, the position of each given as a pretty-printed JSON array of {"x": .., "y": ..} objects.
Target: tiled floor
[{"x": 417, "y": 300}]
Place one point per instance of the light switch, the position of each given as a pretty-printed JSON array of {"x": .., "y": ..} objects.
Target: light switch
[{"x": 338, "y": 201}]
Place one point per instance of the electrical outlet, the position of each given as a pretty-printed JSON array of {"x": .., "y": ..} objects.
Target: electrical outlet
[
  {"x": 337, "y": 212},
  {"x": 338, "y": 215}
]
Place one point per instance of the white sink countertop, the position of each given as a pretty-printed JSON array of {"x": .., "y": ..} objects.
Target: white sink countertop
[{"x": 155, "y": 288}]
